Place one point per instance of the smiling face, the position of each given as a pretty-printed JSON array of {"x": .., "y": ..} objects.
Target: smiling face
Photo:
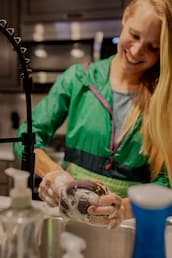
[{"x": 139, "y": 48}]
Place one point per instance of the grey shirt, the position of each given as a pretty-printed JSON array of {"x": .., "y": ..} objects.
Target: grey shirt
[{"x": 121, "y": 105}]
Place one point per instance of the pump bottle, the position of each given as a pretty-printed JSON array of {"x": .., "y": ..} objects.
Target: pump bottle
[
  {"x": 151, "y": 205},
  {"x": 21, "y": 223},
  {"x": 72, "y": 245}
]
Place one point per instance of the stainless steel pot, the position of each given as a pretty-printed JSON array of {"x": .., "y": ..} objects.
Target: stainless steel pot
[
  {"x": 50, "y": 238},
  {"x": 101, "y": 242}
]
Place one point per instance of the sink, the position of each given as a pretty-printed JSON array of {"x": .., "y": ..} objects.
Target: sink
[{"x": 101, "y": 242}]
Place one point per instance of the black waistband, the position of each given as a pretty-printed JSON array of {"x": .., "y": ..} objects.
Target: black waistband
[{"x": 97, "y": 164}]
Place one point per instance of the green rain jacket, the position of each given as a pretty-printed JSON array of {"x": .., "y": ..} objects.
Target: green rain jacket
[{"x": 89, "y": 130}]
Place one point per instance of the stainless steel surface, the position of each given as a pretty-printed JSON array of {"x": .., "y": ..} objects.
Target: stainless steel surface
[
  {"x": 101, "y": 242},
  {"x": 168, "y": 239},
  {"x": 50, "y": 241},
  {"x": 10, "y": 103},
  {"x": 70, "y": 30},
  {"x": 16, "y": 103},
  {"x": 45, "y": 77},
  {"x": 53, "y": 47}
]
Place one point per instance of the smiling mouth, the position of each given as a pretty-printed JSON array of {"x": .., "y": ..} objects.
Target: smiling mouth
[{"x": 130, "y": 60}]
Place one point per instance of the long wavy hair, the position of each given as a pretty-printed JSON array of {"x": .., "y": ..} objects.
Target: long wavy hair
[{"x": 154, "y": 99}]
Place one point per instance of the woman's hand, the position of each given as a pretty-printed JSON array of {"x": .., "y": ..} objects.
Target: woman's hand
[
  {"x": 109, "y": 211},
  {"x": 91, "y": 202},
  {"x": 51, "y": 186}
]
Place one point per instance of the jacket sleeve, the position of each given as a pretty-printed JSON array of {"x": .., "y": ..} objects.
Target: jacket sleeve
[{"x": 50, "y": 112}]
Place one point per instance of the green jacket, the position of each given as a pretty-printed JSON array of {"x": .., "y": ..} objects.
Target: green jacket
[{"x": 89, "y": 128}]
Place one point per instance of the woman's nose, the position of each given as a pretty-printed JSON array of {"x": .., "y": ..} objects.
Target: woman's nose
[{"x": 137, "y": 49}]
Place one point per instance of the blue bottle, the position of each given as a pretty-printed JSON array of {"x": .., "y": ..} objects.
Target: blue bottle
[{"x": 151, "y": 205}]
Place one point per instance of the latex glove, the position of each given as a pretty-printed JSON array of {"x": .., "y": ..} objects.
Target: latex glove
[
  {"x": 52, "y": 185},
  {"x": 91, "y": 202}
]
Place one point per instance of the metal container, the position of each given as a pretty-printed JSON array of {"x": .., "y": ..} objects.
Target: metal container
[
  {"x": 101, "y": 242},
  {"x": 50, "y": 238}
]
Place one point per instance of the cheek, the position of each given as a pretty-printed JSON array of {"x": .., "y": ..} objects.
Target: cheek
[
  {"x": 121, "y": 45},
  {"x": 152, "y": 58},
  {"x": 125, "y": 41}
]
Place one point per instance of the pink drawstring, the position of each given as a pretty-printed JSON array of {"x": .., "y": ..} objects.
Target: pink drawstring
[{"x": 113, "y": 147}]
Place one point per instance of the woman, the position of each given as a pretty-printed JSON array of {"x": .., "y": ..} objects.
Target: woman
[{"x": 118, "y": 112}]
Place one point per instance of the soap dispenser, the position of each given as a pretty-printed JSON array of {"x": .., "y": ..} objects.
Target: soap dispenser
[
  {"x": 72, "y": 245},
  {"x": 151, "y": 205},
  {"x": 20, "y": 223}
]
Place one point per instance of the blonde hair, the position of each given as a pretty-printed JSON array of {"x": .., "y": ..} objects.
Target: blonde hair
[{"x": 154, "y": 99}]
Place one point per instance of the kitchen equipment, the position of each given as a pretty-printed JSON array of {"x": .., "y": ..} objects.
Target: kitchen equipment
[
  {"x": 28, "y": 138},
  {"x": 72, "y": 245},
  {"x": 20, "y": 223},
  {"x": 50, "y": 246},
  {"x": 101, "y": 243},
  {"x": 54, "y": 47}
]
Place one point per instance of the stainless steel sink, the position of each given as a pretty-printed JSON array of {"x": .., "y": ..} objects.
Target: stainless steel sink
[{"x": 101, "y": 242}]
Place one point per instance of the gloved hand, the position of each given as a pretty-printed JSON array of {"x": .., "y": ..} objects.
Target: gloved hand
[
  {"x": 91, "y": 202},
  {"x": 51, "y": 186}
]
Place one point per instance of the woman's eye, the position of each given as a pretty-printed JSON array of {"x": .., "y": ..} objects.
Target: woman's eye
[
  {"x": 135, "y": 36},
  {"x": 153, "y": 49}
]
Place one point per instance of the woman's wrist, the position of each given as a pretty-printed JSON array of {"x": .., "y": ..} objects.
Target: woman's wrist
[
  {"x": 127, "y": 208},
  {"x": 44, "y": 164}
]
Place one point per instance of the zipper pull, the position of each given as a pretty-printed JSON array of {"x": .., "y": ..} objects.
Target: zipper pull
[{"x": 108, "y": 166}]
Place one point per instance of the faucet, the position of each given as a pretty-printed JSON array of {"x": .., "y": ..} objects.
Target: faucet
[{"x": 28, "y": 137}]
